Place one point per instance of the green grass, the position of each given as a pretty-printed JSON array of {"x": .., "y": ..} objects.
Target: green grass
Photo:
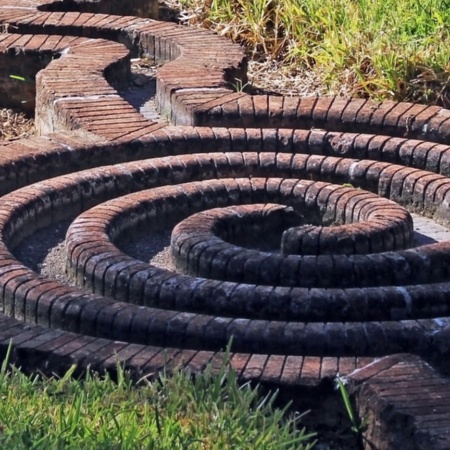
[
  {"x": 174, "y": 412},
  {"x": 397, "y": 49}
]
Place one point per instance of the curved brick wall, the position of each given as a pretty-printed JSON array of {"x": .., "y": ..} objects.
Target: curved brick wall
[
  {"x": 388, "y": 227},
  {"x": 228, "y": 164}
]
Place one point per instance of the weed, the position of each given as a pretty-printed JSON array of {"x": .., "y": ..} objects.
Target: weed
[
  {"x": 7, "y": 28},
  {"x": 357, "y": 426},
  {"x": 240, "y": 86},
  {"x": 20, "y": 78}
]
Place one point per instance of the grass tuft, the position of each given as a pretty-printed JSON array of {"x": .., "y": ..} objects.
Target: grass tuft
[
  {"x": 208, "y": 411},
  {"x": 382, "y": 49}
]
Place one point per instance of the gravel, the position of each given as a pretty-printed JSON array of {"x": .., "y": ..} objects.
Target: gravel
[{"x": 44, "y": 251}]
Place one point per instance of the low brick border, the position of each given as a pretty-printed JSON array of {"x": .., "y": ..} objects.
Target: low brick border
[
  {"x": 40, "y": 158},
  {"x": 21, "y": 291},
  {"x": 213, "y": 102},
  {"x": 236, "y": 228},
  {"x": 440, "y": 292},
  {"x": 406, "y": 402},
  {"x": 205, "y": 74},
  {"x": 92, "y": 103},
  {"x": 140, "y": 8},
  {"x": 55, "y": 351},
  {"x": 382, "y": 226}
]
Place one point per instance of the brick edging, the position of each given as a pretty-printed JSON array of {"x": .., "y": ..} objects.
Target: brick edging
[{"x": 258, "y": 135}]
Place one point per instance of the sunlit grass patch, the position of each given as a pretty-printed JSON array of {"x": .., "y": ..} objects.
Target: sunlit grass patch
[
  {"x": 396, "y": 49},
  {"x": 174, "y": 412}
]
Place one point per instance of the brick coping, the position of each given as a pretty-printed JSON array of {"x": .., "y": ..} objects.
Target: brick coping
[
  {"x": 397, "y": 150},
  {"x": 406, "y": 400}
]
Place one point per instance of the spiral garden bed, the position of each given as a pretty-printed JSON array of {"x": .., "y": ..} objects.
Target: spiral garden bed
[{"x": 343, "y": 291}]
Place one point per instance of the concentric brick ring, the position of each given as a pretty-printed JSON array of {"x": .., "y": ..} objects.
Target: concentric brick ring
[
  {"x": 60, "y": 306},
  {"x": 384, "y": 226},
  {"x": 232, "y": 264},
  {"x": 91, "y": 131},
  {"x": 236, "y": 228}
]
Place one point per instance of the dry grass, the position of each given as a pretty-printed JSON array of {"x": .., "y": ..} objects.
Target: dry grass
[
  {"x": 265, "y": 74},
  {"x": 15, "y": 125},
  {"x": 273, "y": 76},
  {"x": 381, "y": 49}
]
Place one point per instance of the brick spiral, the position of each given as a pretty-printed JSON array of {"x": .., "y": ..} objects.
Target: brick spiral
[{"x": 327, "y": 181}]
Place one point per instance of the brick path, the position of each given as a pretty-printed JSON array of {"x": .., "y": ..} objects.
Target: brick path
[{"x": 332, "y": 301}]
